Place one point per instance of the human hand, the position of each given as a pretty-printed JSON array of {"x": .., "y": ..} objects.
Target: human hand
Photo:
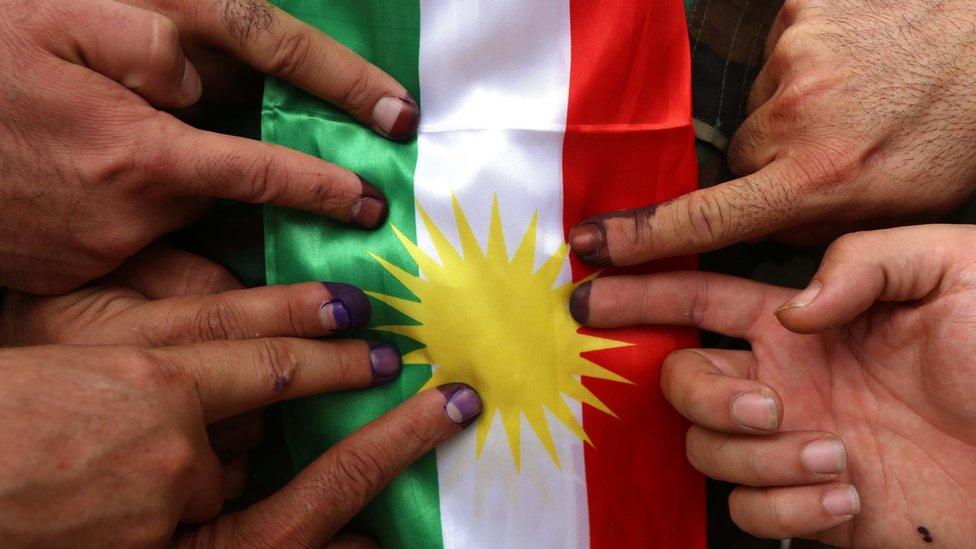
[
  {"x": 863, "y": 116},
  {"x": 108, "y": 446},
  {"x": 852, "y": 420},
  {"x": 91, "y": 170},
  {"x": 165, "y": 296}
]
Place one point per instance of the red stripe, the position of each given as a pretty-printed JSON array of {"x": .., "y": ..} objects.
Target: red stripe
[{"x": 630, "y": 142}]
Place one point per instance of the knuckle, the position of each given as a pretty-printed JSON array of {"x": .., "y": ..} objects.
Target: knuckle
[
  {"x": 706, "y": 216},
  {"x": 278, "y": 357},
  {"x": 204, "y": 277},
  {"x": 356, "y": 473},
  {"x": 290, "y": 55},
  {"x": 217, "y": 320},
  {"x": 355, "y": 93},
  {"x": 260, "y": 178},
  {"x": 177, "y": 456}
]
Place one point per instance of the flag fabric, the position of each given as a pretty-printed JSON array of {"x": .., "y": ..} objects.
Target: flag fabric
[{"x": 535, "y": 115}]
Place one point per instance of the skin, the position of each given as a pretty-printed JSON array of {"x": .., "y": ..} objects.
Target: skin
[
  {"x": 93, "y": 164},
  {"x": 862, "y": 116},
  {"x": 119, "y": 444},
  {"x": 873, "y": 362}
]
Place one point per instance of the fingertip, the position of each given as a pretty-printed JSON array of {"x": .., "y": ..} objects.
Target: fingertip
[
  {"x": 579, "y": 303},
  {"x": 588, "y": 240},
  {"x": 462, "y": 403},
  {"x": 371, "y": 208},
  {"x": 385, "y": 361},
  {"x": 347, "y": 307},
  {"x": 756, "y": 411},
  {"x": 396, "y": 117}
]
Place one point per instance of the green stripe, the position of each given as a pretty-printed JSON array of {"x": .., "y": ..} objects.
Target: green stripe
[{"x": 302, "y": 247}]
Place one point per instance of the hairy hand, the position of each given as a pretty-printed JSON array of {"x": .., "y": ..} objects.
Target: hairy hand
[
  {"x": 852, "y": 419},
  {"x": 863, "y": 115},
  {"x": 91, "y": 166}
]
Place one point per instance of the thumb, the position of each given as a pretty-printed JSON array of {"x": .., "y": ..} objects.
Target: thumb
[{"x": 860, "y": 269}]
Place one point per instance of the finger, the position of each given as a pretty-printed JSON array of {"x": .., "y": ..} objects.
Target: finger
[
  {"x": 352, "y": 541},
  {"x": 234, "y": 437},
  {"x": 162, "y": 271},
  {"x": 763, "y": 87},
  {"x": 712, "y": 388},
  {"x": 235, "y": 478},
  {"x": 902, "y": 264},
  {"x": 233, "y": 377},
  {"x": 206, "y": 485},
  {"x": 277, "y": 43},
  {"x": 782, "y": 459},
  {"x": 753, "y": 146},
  {"x": 310, "y": 309},
  {"x": 203, "y": 163},
  {"x": 137, "y": 48},
  {"x": 713, "y": 302},
  {"x": 796, "y": 511},
  {"x": 335, "y": 487},
  {"x": 744, "y": 209}
]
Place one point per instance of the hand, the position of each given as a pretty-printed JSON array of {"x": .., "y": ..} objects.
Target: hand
[
  {"x": 863, "y": 116},
  {"x": 91, "y": 171},
  {"x": 107, "y": 445},
  {"x": 861, "y": 432},
  {"x": 165, "y": 296}
]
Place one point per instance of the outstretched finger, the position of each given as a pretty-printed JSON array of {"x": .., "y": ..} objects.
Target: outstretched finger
[
  {"x": 200, "y": 163},
  {"x": 233, "y": 377},
  {"x": 751, "y": 207},
  {"x": 310, "y": 309},
  {"x": 330, "y": 491},
  {"x": 279, "y": 44},
  {"x": 714, "y": 302}
]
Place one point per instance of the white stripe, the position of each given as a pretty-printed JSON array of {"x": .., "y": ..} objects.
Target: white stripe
[{"x": 494, "y": 85}]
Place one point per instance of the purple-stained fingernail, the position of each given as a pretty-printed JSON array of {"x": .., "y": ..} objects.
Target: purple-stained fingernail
[
  {"x": 579, "y": 302},
  {"x": 397, "y": 117},
  {"x": 371, "y": 209},
  {"x": 385, "y": 360},
  {"x": 463, "y": 403},
  {"x": 589, "y": 241},
  {"x": 347, "y": 308}
]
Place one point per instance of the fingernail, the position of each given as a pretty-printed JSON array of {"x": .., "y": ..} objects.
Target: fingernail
[
  {"x": 755, "y": 411},
  {"x": 463, "y": 403},
  {"x": 824, "y": 457},
  {"x": 579, "y": 303},
  {"x": 396, "y": 117},
  {"x": 589, "y": 241},
  {"x": 803, "y": 298},
  {"x": 842, "y": 502},
  {"x": 385, "y": 360},
  {"x": 371, "y": 209},
  {"x": 191, "y": 87},
  {"x": 347, "y": 308}
]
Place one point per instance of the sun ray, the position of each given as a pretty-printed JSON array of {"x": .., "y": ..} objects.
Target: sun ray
[
  {"x": 498, "y": 324},
  {"x": 449, "y": 256},
  {"x": 469, "y": 242}
]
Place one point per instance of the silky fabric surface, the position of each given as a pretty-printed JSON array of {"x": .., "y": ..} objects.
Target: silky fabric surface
[{"x": 491, "y": 134}]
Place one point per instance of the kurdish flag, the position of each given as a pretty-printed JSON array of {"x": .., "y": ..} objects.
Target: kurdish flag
[{"x": 536, "y": 115}]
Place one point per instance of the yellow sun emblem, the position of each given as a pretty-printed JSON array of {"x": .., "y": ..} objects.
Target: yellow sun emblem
[{"x": 499, "y": 325}]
